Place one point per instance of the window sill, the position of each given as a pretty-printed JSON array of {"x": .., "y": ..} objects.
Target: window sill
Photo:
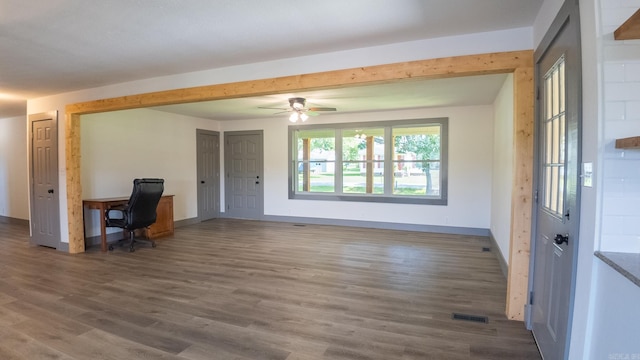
[{"x": 371, "y": 199}]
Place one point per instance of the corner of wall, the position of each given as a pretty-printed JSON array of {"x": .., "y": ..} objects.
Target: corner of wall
[{"x": 502, "y": 173}]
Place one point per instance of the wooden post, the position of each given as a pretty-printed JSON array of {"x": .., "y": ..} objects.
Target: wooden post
[
  {"x": 369, "y": 162},
  {"x": 521, "y": 194},
  {"x": 306, "y": 169},
  {"x": 75, "y": 214}
]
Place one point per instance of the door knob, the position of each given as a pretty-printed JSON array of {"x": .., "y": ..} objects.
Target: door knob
[
  {"x": 50, "y": 191},
  {"x": 201, "y": 181},
  {"x": 559, "y": 239}
]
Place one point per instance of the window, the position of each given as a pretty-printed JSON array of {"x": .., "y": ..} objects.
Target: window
[
  {"x": 554, "y": 135},
  {"x": 403, "y": 161}
]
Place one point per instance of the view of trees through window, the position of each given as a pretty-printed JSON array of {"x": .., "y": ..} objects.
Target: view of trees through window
[{"x": 403, "y": 160}]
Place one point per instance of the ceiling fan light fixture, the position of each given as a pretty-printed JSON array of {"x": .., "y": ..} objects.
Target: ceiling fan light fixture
[
  {"x": 297, "y": 108},
  {"x": 298, "y": 115},
  {"x": 297, "y": 103}
]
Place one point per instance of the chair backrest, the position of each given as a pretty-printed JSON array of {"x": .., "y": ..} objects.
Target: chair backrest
[{"x": 141, "y": 209}]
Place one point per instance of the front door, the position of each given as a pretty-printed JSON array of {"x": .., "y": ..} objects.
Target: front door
[
  {"x": 244, "y": 179},
  {"x": 45, "y": 223},
  {"x": 555, "y": 243},
  {"x": 208, "y": 157}
]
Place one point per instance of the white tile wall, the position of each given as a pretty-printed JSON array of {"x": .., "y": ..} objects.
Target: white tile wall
[
  {"x": 620, "y": 230},
  {"x": 632, "y": 109},
  {"x": 616, "y": 110}
]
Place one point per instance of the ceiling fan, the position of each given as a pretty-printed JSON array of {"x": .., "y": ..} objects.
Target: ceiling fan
[{"x": 298, "y": 109}]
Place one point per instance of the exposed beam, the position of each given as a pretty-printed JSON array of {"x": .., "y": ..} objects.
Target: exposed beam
[
  {"x": 494, "y": 63},
  {"x": 518, "y": 62},
  {"x": 75, "y": 214},
  {"x": 521, "y": 193}
]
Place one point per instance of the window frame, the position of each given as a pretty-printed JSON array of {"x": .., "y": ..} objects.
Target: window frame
[{"x": 386, "y": 197}]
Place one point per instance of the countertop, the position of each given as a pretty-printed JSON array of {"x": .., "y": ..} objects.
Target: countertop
[{"x": 627, "y": 264}]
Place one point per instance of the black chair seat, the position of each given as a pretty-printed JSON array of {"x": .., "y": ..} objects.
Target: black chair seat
[{"x": 139, "y": 212}]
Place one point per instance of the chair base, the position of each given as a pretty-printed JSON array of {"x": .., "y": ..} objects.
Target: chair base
[{"x": 132, "y": 241}]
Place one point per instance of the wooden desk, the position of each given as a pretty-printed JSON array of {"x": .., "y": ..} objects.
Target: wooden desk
[{"x": 162, "y": 227}]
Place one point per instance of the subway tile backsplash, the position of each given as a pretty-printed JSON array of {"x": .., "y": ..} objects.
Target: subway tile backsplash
[{"x": 620, "y": 230}]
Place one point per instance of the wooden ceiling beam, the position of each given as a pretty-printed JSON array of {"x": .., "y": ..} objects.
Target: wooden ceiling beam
[{"x": 494, "y": 63}]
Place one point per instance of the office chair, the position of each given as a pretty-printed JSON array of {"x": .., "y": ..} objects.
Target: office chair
[{"x": 139, "y": 212}]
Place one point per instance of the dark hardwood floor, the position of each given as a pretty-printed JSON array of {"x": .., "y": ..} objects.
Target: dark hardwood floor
[{"x": 233, "y": 289}]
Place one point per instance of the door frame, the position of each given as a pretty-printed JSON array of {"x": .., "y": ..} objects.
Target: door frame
[
  {"x": 198, "y": 175},
  {"x": 227, "y": 153},
  {"x": 569, "y": 11},
  {"x": 53, "y": 116}
]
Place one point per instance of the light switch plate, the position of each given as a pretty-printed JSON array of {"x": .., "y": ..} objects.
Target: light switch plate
[{"x": 587, "y": 174}]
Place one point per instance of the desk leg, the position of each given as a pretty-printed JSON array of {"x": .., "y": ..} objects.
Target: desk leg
[{"x": 103, "y": 230}]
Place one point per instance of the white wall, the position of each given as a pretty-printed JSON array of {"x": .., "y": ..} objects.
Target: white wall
[
  {"x": 120, "y": 146},
  {"x": 545, "y": 17},
  {"x": 590, "y": 202},
  {"x": 165, "y": 147},
  {"x": 502, "y": 177},
  {"x": 615, "y": 326},
  {"x": 14, "y": 184},
  {"x": 497, "y": 41},
  {"x": 470, "y": 153}
]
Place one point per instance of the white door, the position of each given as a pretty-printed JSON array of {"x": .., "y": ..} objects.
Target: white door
[
  {"x": 555, "y": 243},
  {"x": 243, "y": 181}
]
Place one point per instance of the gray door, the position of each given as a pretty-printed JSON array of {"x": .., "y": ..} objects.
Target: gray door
[
  {"x": 45, "y": 223},
  {"x": 555, "y": 243},
  {"x": 244, "y": 179},
  {"x": 208, "y": 157}
]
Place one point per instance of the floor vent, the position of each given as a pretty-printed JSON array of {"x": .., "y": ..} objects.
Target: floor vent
[
  {"x": 301, "y": 225},
  {"x": 486, "y": 249},
  {"x": 474, "y": 318}
]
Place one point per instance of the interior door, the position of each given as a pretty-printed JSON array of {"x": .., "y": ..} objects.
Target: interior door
[
  {"x": 208, "y": 157},
  {"x": 555, "y": 245},
  {"x": 244, "y": 178},
  {"x": 45, "y": 223}
]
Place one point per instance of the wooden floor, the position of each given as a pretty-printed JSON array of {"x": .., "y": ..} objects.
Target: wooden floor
[{"x": 233, "y": 289}]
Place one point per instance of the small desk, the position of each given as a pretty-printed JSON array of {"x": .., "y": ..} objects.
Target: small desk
[{"x": 164, "y": 221}]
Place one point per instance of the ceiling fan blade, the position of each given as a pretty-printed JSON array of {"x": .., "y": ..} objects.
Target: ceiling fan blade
[
  {"x": 312, "y": 113},
  {"x": 322, "y": 109},
  {"x": 274, "y": 108}
]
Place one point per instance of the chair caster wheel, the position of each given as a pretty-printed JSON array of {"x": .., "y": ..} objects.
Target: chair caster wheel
[
  {"x": 153, "y": 244},
  {"x": 110, "y": 247}
]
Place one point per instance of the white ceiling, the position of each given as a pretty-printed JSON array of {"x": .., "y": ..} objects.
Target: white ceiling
[
  {"x": 472, "y": 90},
  {"x": 54, "y": 46}
]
